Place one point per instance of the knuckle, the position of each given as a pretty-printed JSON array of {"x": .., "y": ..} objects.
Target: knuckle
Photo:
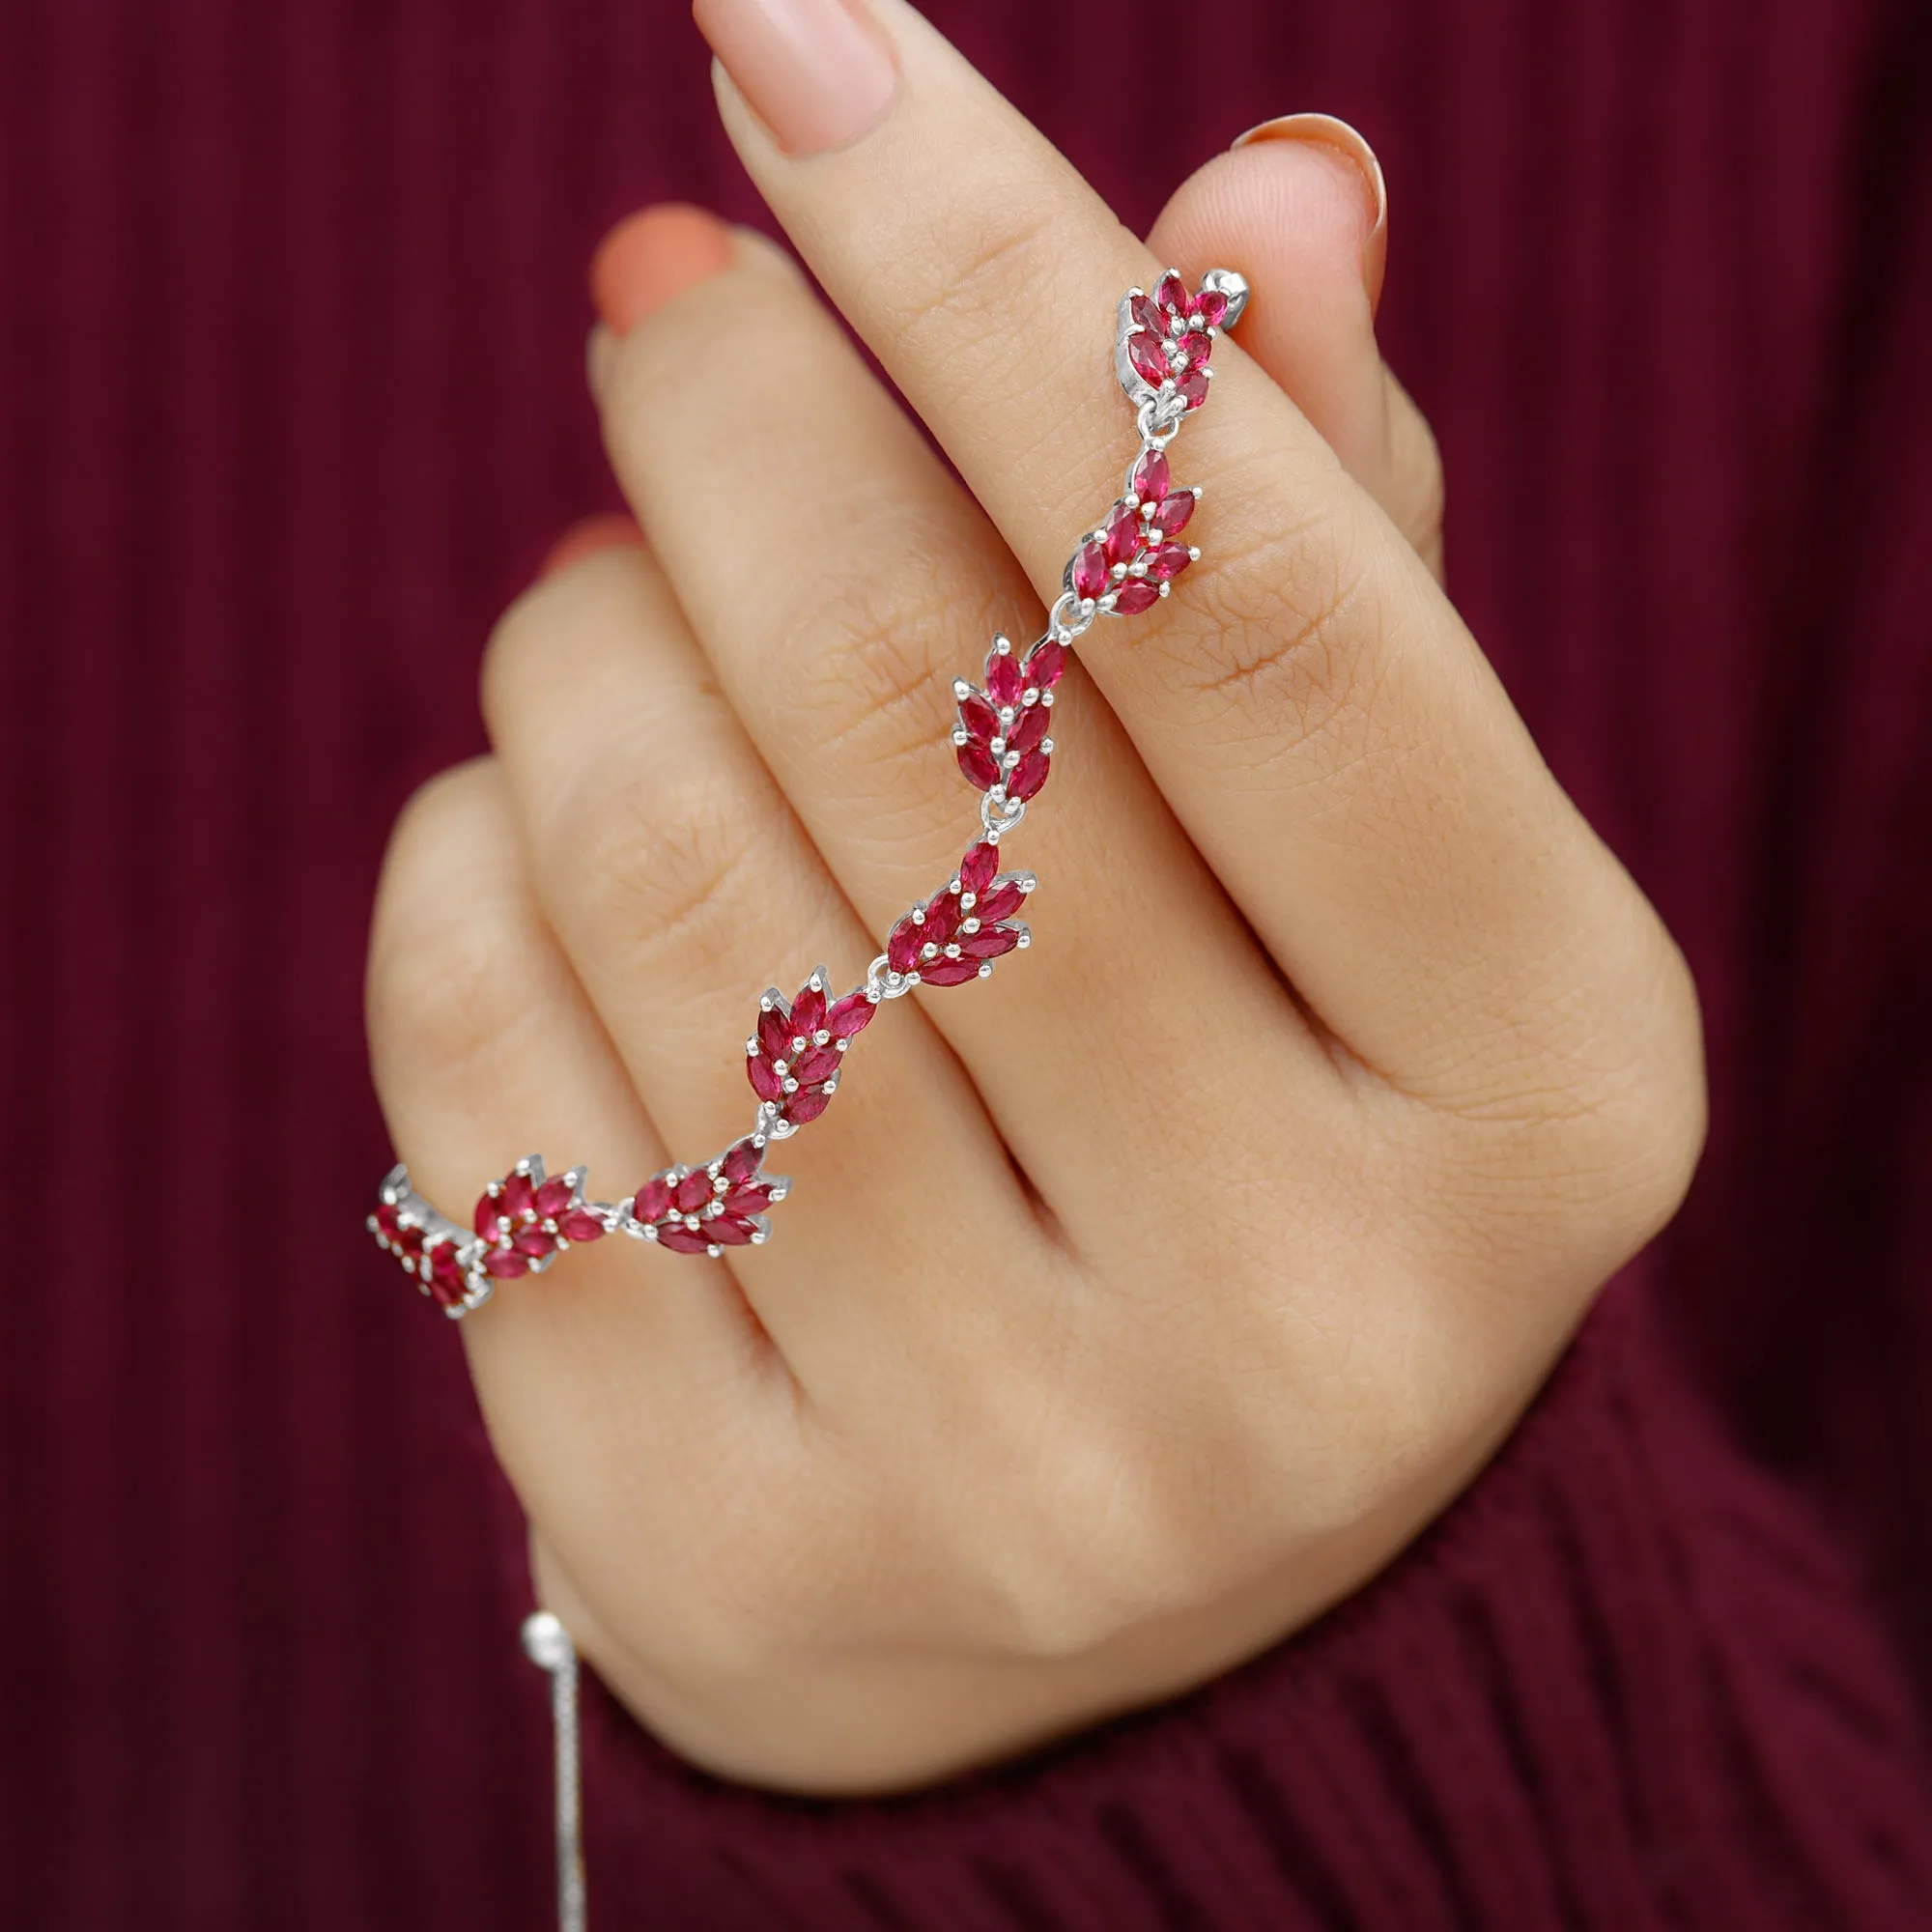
[
  {"x": 656, "y": 854},
  {"x": 884, "y": 651},
  {"x": 435, "y": 973},
  {"x": 1296, "y": 637},
  {"x": 951, "y": 309}
]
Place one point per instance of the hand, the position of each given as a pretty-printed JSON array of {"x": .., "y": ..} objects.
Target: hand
[{"x": 1135, "y": 1305}]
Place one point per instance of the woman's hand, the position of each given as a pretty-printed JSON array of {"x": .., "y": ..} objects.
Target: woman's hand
[{"x": 1139, "y": 1304}]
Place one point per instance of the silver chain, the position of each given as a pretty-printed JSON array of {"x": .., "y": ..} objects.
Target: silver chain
[{"x": 548, "y": 1645}]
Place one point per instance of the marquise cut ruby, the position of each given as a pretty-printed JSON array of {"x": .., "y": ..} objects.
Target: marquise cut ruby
[
  {"x": 552, "y": 1198},
  {"x": 653, "y": 1199},
  {"x": 1171, "y": 292},
  {"x": 728, "y": 1232},
  {"x": 1123, "y": 535},
  {"x": 691, "y": 1193},
  {"x": 1090, "y": 569},
  {"x": 942, "y": 919},
  {"x": 950, "y": 972},
  {"x": 741, "y": 1161},
  {"x": 1004, "y": 683},
  {"x": 1193, "y": 387},
  {"x": 851, "y": 1017},
  {"x": 980, "y": 719},
  {"x": 575, "y": 1224},
  {"x": 488, "y": 1220},
  {"x": 446, "y": 1281},
  {"x": 980, "y": 863},
  {"x": 1046, "y": 664},
  {"x": 902, "y": 945},
  {"x": 1211, "y": 306},
  {"x": 683, "y": 1241},
  {"x": 1029, "y": 728},
  {"x": 767, "y": 1083},
  {"x": 1149, "y": 478},
  {"x": 817, "y": 1063},
  {"x": 1135, "y": 595},
  {"x": 808, "y": 1103},
  {"x": 1171, "y": 516},
  {"x": 990, "y": 943},
  {"x": 1002, "y": 902},
  {"x": 1149, "y": 362},
  {"x": 1028, "y": 776},
  {"x": 505, "y": 1264},
  {"x": 807, "y": 1011},
  {"x": 977, "y": 762},
  {"x": 774, "y": 1034},
  {"x": 1168, "y": 560},
  {"x": 518, "y": 1192}
]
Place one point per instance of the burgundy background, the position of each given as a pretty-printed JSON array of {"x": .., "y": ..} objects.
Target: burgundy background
[{"x": 291, "y": 402}]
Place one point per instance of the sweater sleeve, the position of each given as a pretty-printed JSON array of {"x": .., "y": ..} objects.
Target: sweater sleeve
[{"x": 1624, "y": 1682}]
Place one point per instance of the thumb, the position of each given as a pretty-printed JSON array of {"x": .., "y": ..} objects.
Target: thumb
[{"x": 1299, "y": 206}]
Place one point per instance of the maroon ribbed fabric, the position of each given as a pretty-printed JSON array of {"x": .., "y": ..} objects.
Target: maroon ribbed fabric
[{"x": 291, "y": 401}]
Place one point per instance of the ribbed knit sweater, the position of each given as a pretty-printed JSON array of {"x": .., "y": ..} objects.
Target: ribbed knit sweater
[{"x": 291, "y": 403}]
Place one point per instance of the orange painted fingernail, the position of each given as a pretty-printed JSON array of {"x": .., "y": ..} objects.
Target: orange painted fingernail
[
  {"x": 609, "y": 531},
  {"x": 1339, "y": 138},
  {"x": 652, "y": 256},
  {"x": 817, "y": 73}
]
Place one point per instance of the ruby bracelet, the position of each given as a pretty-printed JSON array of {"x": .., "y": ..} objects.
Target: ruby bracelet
[{"x": 795, "y": 1055}]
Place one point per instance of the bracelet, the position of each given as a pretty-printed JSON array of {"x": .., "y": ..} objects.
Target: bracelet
[{"x": 795, "y": 1055}]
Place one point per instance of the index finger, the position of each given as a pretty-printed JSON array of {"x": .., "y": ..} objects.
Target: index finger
[{"x": 1309, "y": 703}]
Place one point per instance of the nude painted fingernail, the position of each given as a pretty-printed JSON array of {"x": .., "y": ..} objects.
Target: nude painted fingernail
[
  {"x": 817, "y": 73},
  {"x": 609, "y": 531},
  {"x": 653, "y": 256},
  {"x": 1325, "y": 130}
]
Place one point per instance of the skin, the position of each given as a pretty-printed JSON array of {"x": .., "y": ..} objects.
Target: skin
[{"x": 1134, "y": 1306}]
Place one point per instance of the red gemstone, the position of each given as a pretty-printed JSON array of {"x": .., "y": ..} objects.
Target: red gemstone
[
  {"x": 741, "y": 1161},
  {"x": 410, "y": 1240},
  {"x": 1149, "y": 479},
  {"x": 1029, "y": 728},
  {"x": 808, "y": 1011},
  {"x": 653, "y": 1202},
  {"x": 807, "y": 1104},
  {"x": 1197, "y": 345},
  {"x": 1210, "y": 305},
  {"x": 1123, "y": 535},
  {"x": 1173, "y": 515},
  {"x": 506, "y": 1264},
  {"x": 1089, "y": 570},
  {"x": 1169, "y": 561},
  {"x": 448, "y": 1286},
  {"x": 745, "y": 1201},
  {"x": 1143, "y": 313},
  {"x": 684, "y": 1241},
  {"x": 1144, "y": 351},
  {"x": 950, "y": 972},
  {"x": 1003, "y": 677},
  {"x": 902, "y": 945},
  {"x": 691, "y": 1193},
  {"x": 1002, "y": 902},
  {"x": 977, "y": 762},
  {"x": 576, "y": 1225},
  {"x": 1171, "y": 292},
  {"x": 942, "y": 919},
  {"x": 774, "y": 1034},
  {"x": 552, "y": 1198},
  {"x": 981, "y": 720},
  {"x": 488, "y": 1220},
  {"x": 980, "y": 863},
  {"x": 1046, "y": 664},
  {"x": 1028, "y": 776},
  {"x": 388, "y": 1221},
  {"x": 518, "y": 1192},
  {"x": 817, "y": 1063},
  {"x": 1193, "y": 387},
  {"x": 534, "y": 1242},
  {"x": 765, "y": 1079},
  {"x": 1135, "y": 595},
  {"x": 989, "y": 943},
  {"x": 851, "y": 1017},
  {"x": 728, "y": 1232}
]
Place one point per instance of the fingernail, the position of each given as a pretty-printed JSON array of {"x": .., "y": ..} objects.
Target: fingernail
[
  {"x": 817, "y": 73},
  {"x": 1325, "y": 130},
  {"x": 608, "y": 531},
  {"x": 652, "y": 256}
]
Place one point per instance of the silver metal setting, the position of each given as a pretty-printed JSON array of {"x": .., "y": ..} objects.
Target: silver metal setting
[{"x": 548, "y": 1645}]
